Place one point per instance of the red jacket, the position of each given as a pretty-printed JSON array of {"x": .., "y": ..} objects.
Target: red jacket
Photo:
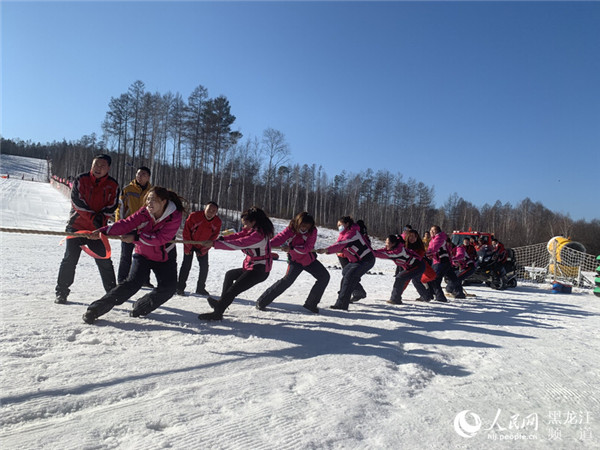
[
  {"x": 471, "y": 252},
  {"x": 500, "y": 253},
  {"x": 93, "y": 202},
  {"x": 198, "y": 228}
]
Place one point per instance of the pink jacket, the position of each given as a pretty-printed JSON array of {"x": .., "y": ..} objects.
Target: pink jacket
[
  {"x": 401, "y": 256},
  {"x": 352, "y": 244},
  {"x": 301, "y": 245},
  {"x": 438, "y": 249},
  {"x": 253, "y": 243},
  {"x": 461, "y": 258},
  {"x": 153, "y": 235},
  {"x": 458, "y": 256}
]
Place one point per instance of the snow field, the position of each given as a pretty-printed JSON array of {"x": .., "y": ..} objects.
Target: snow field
[{"x": 377, "y": 376}]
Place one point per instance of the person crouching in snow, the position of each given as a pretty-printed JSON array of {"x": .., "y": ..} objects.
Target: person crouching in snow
[
  {"x": 298, "y": 240},
  {"x": 154, "y": 226},
  {"x": 412, "y": 264},
  {"x": 255, "y": 241}
]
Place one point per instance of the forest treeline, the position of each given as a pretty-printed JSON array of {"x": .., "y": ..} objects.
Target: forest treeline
[{"x": 192, "y": 148}]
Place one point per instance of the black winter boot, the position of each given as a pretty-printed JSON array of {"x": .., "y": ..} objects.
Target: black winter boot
[
  {"x": 342, "y": 307},
  {"x": 211, "y": 316},
  {"x": 213, "y": 302},
  {"x": 89, "y": 317},
  {"x": 394, "y": 302},
  {"x": 143, "y": 307},
  {"x": 311, "y": 308}
]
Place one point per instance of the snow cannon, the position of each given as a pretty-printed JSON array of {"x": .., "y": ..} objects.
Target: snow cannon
[
  {"x": 565, "y": 256},
  {"x": 597, "y": 280}
]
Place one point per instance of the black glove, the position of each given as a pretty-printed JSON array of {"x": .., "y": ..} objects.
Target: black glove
[{"x": 98, "y": 220}]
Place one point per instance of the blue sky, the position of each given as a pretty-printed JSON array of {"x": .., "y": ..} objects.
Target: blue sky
[{"x": 493, "y": 101}]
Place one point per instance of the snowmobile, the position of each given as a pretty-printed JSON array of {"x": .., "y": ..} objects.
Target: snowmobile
[{"x": 489, "y": 272}]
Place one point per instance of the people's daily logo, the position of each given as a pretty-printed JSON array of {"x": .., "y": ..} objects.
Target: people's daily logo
[{"x": 467, "y": 423}]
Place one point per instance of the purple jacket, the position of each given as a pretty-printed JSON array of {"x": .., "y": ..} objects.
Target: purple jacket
[
  {"x": 300, "y": 245},
  {"x": 352, "y": 244},
  {"x": 153, "y": 235},
  {"x": 253, "y": 243},
  {"x": 438, "y": 249},
  {"x": 401, "y": 256}
]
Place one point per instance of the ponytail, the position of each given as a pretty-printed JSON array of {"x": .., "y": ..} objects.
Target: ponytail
[
  {"x": 262, "y": 222},
  {"x": 363, "y": 230},
  {"x": 363, "y": 227}
]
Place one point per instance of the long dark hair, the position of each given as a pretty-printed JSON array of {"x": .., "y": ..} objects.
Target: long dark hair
[
  {"x": 301, "y": 218},
  {"x": 363, "y": 227},
  {"x": 395, "y": 240},
  {"x": 346, "y": 220},
  {"x": 262, "y": 222},
  {"x": 418, "y": 244},
  {"x": 363, "y": 230},
  {"x": 166, "y": 194}
]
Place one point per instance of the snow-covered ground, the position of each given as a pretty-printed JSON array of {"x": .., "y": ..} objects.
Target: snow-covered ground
[{"x": 512, "y": 369}]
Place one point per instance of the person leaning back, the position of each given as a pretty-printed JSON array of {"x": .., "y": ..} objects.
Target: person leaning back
[{"x": 94, "y": 199}]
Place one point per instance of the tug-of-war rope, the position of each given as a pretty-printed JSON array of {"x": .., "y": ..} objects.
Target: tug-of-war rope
[{"x": 82, "y": 234}]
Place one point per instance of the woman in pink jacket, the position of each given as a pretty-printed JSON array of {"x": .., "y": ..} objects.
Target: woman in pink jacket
[
  {"x": 411, "y": 262},
  {"x": 255, "y": 241},
  {"x": 441, "y": 254},
  {"x": 154, "y": 226},
  {"x": 463, "y": 260},
  {"x": 357, "y": 249},
  {"x": 298, "y": 241}
]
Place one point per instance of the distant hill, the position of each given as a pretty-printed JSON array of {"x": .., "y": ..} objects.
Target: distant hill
[{"x": 21, "y": 166}]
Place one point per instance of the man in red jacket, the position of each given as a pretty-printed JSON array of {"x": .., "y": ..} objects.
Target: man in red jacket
[
  {"x": 94, "y": 198},
  {"x": 199, "y": 226}
]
